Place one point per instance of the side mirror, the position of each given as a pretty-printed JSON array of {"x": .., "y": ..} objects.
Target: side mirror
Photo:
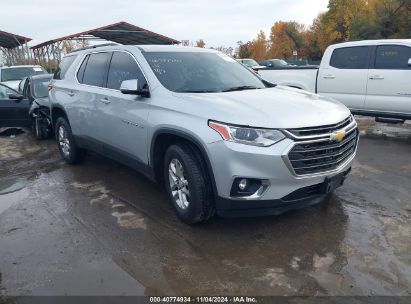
[
  {"x": 131, "y": 87},
  {"x": 16, "y": 97},
  {"x": 409, "y": 62}
]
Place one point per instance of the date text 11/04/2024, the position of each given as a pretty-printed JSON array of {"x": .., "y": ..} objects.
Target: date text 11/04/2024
[{"x": 203, "y": 299}]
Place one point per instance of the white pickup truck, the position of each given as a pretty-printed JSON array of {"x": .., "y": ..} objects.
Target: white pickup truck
[{"x": 371, "y": 77}]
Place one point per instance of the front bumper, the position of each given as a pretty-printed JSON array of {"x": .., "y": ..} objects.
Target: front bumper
[
  {"x": 285, "y": 190},
  {"x": 300, "y": 198}
]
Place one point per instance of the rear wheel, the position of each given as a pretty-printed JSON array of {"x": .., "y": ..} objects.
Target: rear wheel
[
  {"x": 70, "y": 152},
  {"x": 187, "y": 183}
]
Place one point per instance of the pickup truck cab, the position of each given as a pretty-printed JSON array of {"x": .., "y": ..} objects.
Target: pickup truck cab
[
  {"x": 370, "y": 77},
  {"x": 206, "y": 127}
]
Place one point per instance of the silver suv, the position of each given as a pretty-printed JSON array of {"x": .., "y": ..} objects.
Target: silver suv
[{"x": 217, "y": 136}]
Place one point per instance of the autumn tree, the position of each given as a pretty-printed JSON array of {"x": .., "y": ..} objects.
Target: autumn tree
[
  {"x": 200, "y": 43},
  {"x": 285, "y": 37},
  {"x": 259, "y": 47},
  {"x": 345, "y": 20}
]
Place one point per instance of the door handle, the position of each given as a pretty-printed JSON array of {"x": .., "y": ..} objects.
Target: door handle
[
  {"x": 71, "y": 93},
  {"x": 105, "y": 100},
  {"x": 329, "y": 76},
  {"x": 376, "y": 77}
]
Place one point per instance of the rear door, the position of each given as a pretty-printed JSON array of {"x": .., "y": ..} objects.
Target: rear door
[
  {"x": 13, "y": 113},
  {"x": 86, "y": 97},
  {"x": 389, "y": 84},
  {"x": 345, "y": 78}
]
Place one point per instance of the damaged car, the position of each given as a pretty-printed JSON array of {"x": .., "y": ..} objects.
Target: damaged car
[
  {"x": 35, "y": 89},
  {"x": 28, "y": 108}
]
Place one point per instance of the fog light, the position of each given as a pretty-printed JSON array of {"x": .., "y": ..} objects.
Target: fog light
[{"x": 242, "y": 185}]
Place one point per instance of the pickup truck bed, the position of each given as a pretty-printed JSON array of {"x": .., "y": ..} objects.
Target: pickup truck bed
[{"x": 297, "y": 77}]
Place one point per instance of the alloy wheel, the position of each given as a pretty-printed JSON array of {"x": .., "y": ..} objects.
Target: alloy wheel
[{"x": 178, "y": 184}]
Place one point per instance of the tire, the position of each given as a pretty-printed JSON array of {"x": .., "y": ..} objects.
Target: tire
[
  {"x": 194, "y": 203},
  {"x": 69, "y": 151}
]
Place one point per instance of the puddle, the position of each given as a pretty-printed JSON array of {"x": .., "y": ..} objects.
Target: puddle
[
  {"x": 12, "y": 132},
  {"x": 10, "y": 191},
  {"x": 12, "y": 184}
]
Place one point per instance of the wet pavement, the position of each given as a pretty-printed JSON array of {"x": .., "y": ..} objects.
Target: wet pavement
[{"x": 103, "y": 229}]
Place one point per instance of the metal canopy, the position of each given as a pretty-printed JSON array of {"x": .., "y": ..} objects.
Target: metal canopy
[
  {"x": 14, "y": 49},
  {"x": 121, "y": 32},
  {"x": 9, "y": 40}
]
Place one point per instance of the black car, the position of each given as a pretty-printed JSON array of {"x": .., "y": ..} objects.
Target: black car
[
  {"x": 29, "y": 107},
  {"x": 14, "y": 109},
  {"x": 275, "y": 63}
]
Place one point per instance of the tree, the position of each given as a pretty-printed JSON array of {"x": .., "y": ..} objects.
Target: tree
[
  {"x": 286, "y": 37},
  {"x": 339, "y": 17},
  {"x": 244, "y": 49},
  {"x": 345, "y": 20},
  {"x": 259, "y": 47},
  {"x": 200, "y": 43}
]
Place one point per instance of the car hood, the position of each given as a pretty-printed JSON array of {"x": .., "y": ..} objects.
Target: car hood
[
  {"x": 14, "y": 84},
  {"x": 278, "y": 107}
]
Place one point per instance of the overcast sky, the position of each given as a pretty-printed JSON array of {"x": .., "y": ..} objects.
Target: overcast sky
[{"x": 218, "y": 22}]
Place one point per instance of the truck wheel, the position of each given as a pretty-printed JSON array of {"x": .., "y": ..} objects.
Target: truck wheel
[
  {"x": 70, "y": 152},
  {"x": 187, "y": 183}
]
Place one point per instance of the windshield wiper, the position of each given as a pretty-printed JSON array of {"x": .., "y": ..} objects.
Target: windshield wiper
[
  {"x": 240, "y": 88},
  {"x": 198, "y": 91}
]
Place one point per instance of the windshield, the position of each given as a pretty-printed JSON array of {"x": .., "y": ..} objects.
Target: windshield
[
  {"x": 10, "y": 74},
  {"x": 250, "y": 62},
  {"x": 40, "y": 89},
  {"x": 201, "y": 72}
]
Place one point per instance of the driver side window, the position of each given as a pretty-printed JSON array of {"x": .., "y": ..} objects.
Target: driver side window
[
  {"x": 5, "y": 92},
  {"x": 123, "y": 67}
]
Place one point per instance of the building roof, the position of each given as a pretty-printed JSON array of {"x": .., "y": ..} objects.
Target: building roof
[
  {"x": 9, "y": 40},
  {"x": 120, "y": 32}
]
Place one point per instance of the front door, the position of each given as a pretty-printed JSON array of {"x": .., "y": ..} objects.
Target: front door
[
  {"x": 345, "y": 79},
  {"x": 124, "y": 116},
  {"x": 13, "y": 112}
]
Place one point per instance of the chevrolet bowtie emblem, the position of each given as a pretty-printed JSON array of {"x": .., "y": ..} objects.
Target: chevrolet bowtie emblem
[{"x": 338, "y": 135}]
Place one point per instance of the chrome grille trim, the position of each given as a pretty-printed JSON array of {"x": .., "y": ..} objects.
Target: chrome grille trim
[
  {"x": 347, "y": 124},
  {"x": 320, "y": 155}
]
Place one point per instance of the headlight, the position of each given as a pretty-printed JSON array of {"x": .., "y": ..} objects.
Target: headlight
[{"x": 248, "y": 136}]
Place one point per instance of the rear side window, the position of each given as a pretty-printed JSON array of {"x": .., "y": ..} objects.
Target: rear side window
[
  {"x": 96, "y": 69},
  {"x": 80, "y": 73},
  {"x": 350, "y": 58},
  {"x": 123, "y": 67},
  {"x": 64, "y": 65},
  {"x": 393, "y": 57}
]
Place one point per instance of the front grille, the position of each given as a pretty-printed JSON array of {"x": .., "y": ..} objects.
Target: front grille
[
  {"x": 321, "y": 130},
  {"x": 321, "y": 156}
]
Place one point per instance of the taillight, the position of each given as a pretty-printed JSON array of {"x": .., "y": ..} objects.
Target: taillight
[{"x": 50, "y": 87}]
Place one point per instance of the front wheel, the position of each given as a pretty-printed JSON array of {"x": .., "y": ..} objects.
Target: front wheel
[
  {"x": 70, "y": 152},
  {"x": 40, "y": 128},
  {"x": 187, "y": 183}
]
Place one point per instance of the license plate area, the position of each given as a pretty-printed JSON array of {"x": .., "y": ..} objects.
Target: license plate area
[{"x": 331, "y": 183}]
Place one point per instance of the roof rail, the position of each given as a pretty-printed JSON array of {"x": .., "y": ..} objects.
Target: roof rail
[{"x": 94, "y": 46}]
